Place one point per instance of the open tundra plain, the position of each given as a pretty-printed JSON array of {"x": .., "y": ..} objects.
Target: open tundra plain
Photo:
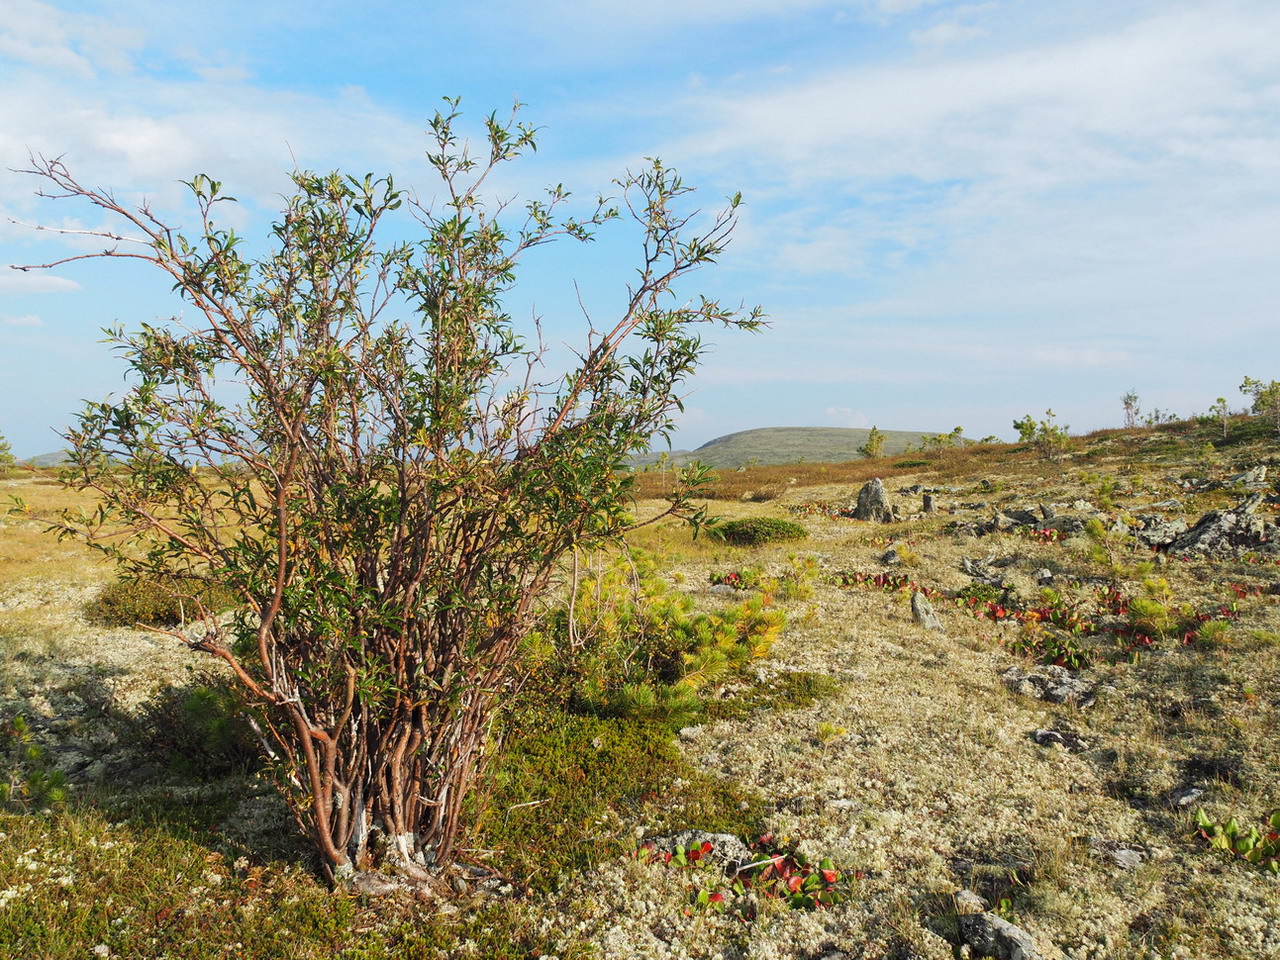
[{"x": 1015, "y": 715}]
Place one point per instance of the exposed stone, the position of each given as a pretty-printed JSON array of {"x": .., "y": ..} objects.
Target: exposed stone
[
  {"x": 1066, "y": 739},
  {"x": 726, "y": 849},
  {"x": 1043, "y": 577},
  {"x": 992, "y": 936},
  {"x": 1227, "y": 532},
  {"x": 922, "y": 611},
  {"x": 968, "y": 902},
  {"x": 1023, "y": 518},
  {"x": 1253, "y": 477},
  {"x": 1185, "y": 796},
  {"x": 891, "y": 557},
  {"x": 977, "y": 569},
  {"x": 1065, "y": 524},
  {"x": 873, "y": 504},
  {"x": 1158, "y": 532},
  {"x": 1055, "y": 685},
  {"x": 926, "y": 505},
  {"x": 1125, "y": 856}
]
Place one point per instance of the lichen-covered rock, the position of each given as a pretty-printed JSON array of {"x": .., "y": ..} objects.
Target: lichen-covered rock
[
  {"x": 922, "y": 611},
  {"x": 873, "y": 503},
  {"x": 1055, "y": 685},
  {"x": 991, "y": 936},
  {"x": 1227, "y": 532}
]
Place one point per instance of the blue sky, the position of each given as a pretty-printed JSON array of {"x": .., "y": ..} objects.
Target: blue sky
[{"x": 956, "y": 213}]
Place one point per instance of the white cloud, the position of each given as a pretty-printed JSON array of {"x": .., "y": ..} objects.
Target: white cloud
[
  {"x": 846, "y": 417},
  {"x": 27, "y": 320},
  {"x": 16, "y": 282},
  {"x": 72, "y": 44},
  {"x": 944, "y": 34}
]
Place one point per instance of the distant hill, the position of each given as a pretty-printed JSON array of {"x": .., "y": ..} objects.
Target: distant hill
[
  {"x": 58, "y": 458},
  {"x": 770, "y": 445}
]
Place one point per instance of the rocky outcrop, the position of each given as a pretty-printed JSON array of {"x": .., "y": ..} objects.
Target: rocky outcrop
[{"x": 1228, "y": 532}]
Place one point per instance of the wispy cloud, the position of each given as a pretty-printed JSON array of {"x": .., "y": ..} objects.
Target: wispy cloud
[{"x": 27, "y": 320}]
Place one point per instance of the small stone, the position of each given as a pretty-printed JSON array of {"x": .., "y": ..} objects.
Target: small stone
[
  {"x": 1185, "y": 796},
  {"x": 1060, "y": 738},
  {"x": 922, "y": 611},
  {"x": 992, "y": 936},
  {"x": 969, "y": 902},
  {"x": 1043, "y": 577},
  {"x": 1055, "y": 685},
  {"x": 927, "y": 504}
]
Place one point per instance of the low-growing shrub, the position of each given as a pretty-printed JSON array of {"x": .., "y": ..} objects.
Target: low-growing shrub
[
  {"x": 636, "y": 648},
  {"x": 758, "y": 531},
  {"x": 200, "y": 729},
  {"x": 156, "y": 603},
  {"x": 27, "y": 781}
]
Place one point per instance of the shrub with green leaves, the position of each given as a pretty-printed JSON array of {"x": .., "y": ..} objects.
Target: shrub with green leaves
[
  {"x": 200, "y": 729},
  {"x": 628, "y": 645},
  {"x": 758, "y": 531},
  {"x": 1254, "y": 845},
  {"x": 27, "y": 781},
  {"x": 155, "y": 602}
]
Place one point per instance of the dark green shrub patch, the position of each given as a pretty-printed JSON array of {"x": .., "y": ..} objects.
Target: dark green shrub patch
[
  {"x": 200, "y": 729},
  {"x": 757, "y": 531},
  {"x": 155, "y": 602}
]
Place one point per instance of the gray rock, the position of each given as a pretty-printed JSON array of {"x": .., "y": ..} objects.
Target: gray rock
[
  {"x": 1067, "y": 525},
  {"x": 1060, "y": 738},
  {"x": 1043, "y": 577},
  {"x": 926, "y": 504},
  {"x": 1055, "y": 685},
  {"x": 977, "y": 570},
  {"x": 922, "y": 611},
  {"x": 1158, "y": 532},
  {"x": 1185, "y": 796},
  {"x": 726, "y": 849},
  {"x": 1227, "y": 532},
  {"x": 891, "y": 557},
  {"x": 1047, "y": 512},
  {"x": 873, "y": 504},
  {"x": 1170, "y": 504},
  {"x": 1023, "y": 518},
  {"x": 1125, "y": 856},
  {"x": 968, "y": 902},
  {"x": 992, "y": 936},
  {"x": 722, "y": 590},
  {"x": 1255, "y": 476}
]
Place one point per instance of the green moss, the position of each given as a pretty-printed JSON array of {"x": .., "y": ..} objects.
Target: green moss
[{"x": 567, "y": 791}]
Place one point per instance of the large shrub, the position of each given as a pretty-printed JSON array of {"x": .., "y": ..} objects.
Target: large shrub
[{"x": 390, "y": 487}]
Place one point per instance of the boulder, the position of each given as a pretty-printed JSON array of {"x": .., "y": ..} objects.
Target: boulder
[
  {"x": 873, "y": 504},
  {"x": 1228, "y": 532},
  {"x": 1158, "y": 532}
]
